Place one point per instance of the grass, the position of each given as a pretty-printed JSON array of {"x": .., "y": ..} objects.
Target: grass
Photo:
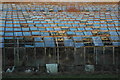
[{"x": 29, "y": 75}]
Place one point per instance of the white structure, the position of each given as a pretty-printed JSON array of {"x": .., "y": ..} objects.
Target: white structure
[
  {"x": 28, "y": 71},
  {"x": 52, "y": 68},
  {"x": 89, "y": 68},
  {"x": 10, "y": 70}
]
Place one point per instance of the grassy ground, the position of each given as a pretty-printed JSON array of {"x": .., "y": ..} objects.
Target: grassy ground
[{"x": 33, "y": 75}]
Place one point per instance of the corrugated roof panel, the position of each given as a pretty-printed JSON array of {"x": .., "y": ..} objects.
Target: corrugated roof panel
[
  {"x": 79, "y": 33},
  {"x": 81, "y": 28},
  {"x": 38, "y": 39},
  {"x": 29, "y": 21},
  {"x": 68, "y": 42},
  {"x": 44, "y": 33},
  {"x": 103, "y": 28},
  {"x": 39, "y": 25},
  {"x": 26, "y": 33},
  {"x": 39, "y": 44},
  {"x": 118, "y": 32},
  {"x": 30, "y": 25},
  {"x": 33, "y": 28},
  {"x": 49, "y": 29},
  {"x": 112, "y": 28},
  {"x": 57, "y": 29},
  {"x": 29, "y": 46},
  {"x": 46, "y": 25},
  {"x": 8, "y": 37},
  {"x": 35, "y": 33},
  {"x": 41, "y": 29},
  {"x": 18, "y": 34},
  {"x": 2, "y": 25},
  {"x": 25, "y": 29},
  {"x": 17, "y": 29},
  {"x": 76, "y": 25},
  {"x": 79, "y": 44},
  {"x": 116, "y": 43},
  {"x": 36, "y": 21},
  {"x": 16, "y": 20},
  {"x": 9, "y": 29},
  {"x": 49, "y": 42},
  {"x": 88, "y": 33},
  {"x": 1, "y": 39},
  {"x": 97, "y": 41},
  {"x": 88, "y": 28},
  {"x": 115, "y": 38},
  {"x": 8, "y": 33},
  {"x": 68, "y": 25},
  {"x": 1, "y": 45},
  {"x": 113, "y": 33},
  {"x": 70, "y": 33},
  {"x": 9, "y": 25}
]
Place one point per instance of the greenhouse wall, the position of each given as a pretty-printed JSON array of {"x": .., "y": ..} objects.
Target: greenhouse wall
[{"x": 103, "y": 58}]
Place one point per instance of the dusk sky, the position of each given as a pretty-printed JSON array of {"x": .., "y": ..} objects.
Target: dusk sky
[{"x": 60, "y": 0}]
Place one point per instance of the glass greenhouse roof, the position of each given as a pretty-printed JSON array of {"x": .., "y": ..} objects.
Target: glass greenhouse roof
[{"x": 55, "y": 27}]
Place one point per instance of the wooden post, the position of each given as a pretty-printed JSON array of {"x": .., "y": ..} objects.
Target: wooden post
[
  {"x": 1, "y": 63},
  {"x": 95, "y": 52},
  {"x": 24, "y": 57},
  {"x": 45, "y": 51},
  {"x": 55, "y": 55},
  {"x": 17, "y": 52},
  {"x": 58, "y": 61},
  {"x": 17, "y": 56},
  {"x": 4, "y": 58},
  {"x": 103, "y": 57},
  {"x": 113, "y": 55},
  {"x": 74, "y": 55},
  {"x": 74, "y": 51},
  {"x": 14, "y": 57},
  {"x": 35, "y": 54},
  {"x": 84, "y": 55},
  {"x": 58, "y": 55}
]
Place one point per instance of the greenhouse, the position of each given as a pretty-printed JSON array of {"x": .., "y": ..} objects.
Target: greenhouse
[{"x": 35, "y": 34}]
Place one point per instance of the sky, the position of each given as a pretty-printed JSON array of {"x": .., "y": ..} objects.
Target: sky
[{"x": 59, "y": 0}]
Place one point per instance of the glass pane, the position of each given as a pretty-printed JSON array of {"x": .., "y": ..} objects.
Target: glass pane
[
  {"x": 97, "y": 41},
  {"x": 90, "y": 58},
  {"x": 68, "y": 42},
  {"x": 18, "y": 34},
  {"x": 87, "y": 33},
  {"x": 35, "y": 33},
  {"x": 8, "y": 34},
  {"x": 39, "y": 44},
  {"x": 108, "y": 56},
  {"x": 26, "y": 33},
  {"x": 49, "y": 42}
]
